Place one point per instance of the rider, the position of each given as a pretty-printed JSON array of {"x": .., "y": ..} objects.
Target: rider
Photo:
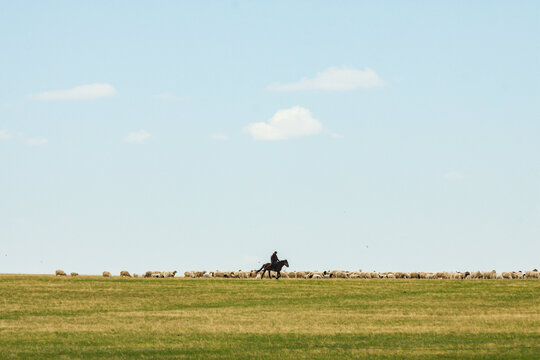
[{"x": 274, "y": 259}]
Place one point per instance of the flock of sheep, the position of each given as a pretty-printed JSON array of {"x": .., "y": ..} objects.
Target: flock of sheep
[{"x": 334, "y": 274}]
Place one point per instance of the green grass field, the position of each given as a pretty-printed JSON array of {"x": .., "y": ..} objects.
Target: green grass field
[{"x": 47, "y": 317}]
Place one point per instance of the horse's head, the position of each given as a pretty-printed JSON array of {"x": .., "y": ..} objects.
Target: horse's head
[{"x": 286, "y": 263}]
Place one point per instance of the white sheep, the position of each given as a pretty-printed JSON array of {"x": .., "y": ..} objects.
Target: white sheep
[
  {"x": 106, "y": 274},
  {"x": 169, "y": 274},
  {"x": 74, "y": 274},
  {"x": 125, "y": 273},
  {"x": 60, "y": 273}
]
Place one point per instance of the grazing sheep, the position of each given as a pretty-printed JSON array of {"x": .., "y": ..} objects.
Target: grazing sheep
[
  {"x": 517, "y": 275},
  {"x": 209, "y": 275},
  {"x": 441, "y": 275},
  {"x": 194, "y": 274},
  {"x": 338, "y": 274},
  {"x": 415, "y": 275},
  {"x": 106, "y": 274},
  {"x": 169, "y": 274},
  {"x": 60, "y": 273},
  {"x": 321, "y": 274},
  {"x": 390, "y": 276},
  {"x": 125, "y": 273},
  {"x": 534, "y": 274},
  {"x": 135, "y": 275},
  {"x": 147, "y": 274},
  {"x": 285, "y": 274},
  {"x": 157, "y": 275},
  {"x": 489, "y": 274},
  {"x": 221, "y": 274},
  {"x": 74, "y": 274}
]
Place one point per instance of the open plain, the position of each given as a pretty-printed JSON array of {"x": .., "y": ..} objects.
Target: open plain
[{"x": 86, "y": 317}]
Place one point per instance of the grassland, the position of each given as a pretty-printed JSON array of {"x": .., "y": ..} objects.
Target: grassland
[{"x": 45, "y": 317}]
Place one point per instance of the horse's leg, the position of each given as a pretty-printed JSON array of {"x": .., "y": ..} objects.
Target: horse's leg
[
  {"x": 278, "y": 275},
  {"x": 262, "y": 276}
]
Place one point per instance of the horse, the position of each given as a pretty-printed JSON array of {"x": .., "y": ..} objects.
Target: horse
[{"x": 268, "y": 267}]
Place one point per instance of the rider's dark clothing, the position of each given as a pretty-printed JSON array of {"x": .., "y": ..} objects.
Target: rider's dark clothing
[{"x": 274, "y": 260}]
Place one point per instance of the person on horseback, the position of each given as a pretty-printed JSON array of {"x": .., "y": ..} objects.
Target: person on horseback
[{"x": 274, "y": 260}]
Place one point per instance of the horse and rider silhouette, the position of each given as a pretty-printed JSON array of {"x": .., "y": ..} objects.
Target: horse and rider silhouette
[{"x": 274, "y": 265}]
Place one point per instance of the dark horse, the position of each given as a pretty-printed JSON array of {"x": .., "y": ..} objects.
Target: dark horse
[{"x": 277, "y": 268}]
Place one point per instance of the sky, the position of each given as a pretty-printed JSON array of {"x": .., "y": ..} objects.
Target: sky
[{"x": 386, "y": 136}]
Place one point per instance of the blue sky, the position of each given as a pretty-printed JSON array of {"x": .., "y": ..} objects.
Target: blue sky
[{"x": 205, "y": 135}]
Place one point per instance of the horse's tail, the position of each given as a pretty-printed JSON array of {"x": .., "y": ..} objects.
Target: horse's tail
[{"x": 261, "y": 268}]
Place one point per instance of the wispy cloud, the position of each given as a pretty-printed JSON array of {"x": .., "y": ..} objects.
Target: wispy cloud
[
  {"x": 333, "y": 79},
  {"x": 169, "y": 97},
  {"x": 82, "y": 92},
  {"x": 454, "y": 175},
  {"x": 32, "y": 141},
  {"x": 36, "y": 141},
  {"x": 219, "y": 137},
  {"x": 285, "y": 124},
  {"x": 137, "y": 137},
  {"x": 5, "y": 134}
]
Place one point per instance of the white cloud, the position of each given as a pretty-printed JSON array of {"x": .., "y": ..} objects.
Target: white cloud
[
  {"x": 285, "y": 124},
  {"x": 5, "y": 134},
  {"x": 334, "y": 79},
  {"x": 454, "y": 175},
  {"x": 169, "y": 97},
  {"x": 36, "y": 141},
  {"x": 82, "y": 92},
  {"x": 219, "y": 137},
  {"x": 137, "y": 137}
]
